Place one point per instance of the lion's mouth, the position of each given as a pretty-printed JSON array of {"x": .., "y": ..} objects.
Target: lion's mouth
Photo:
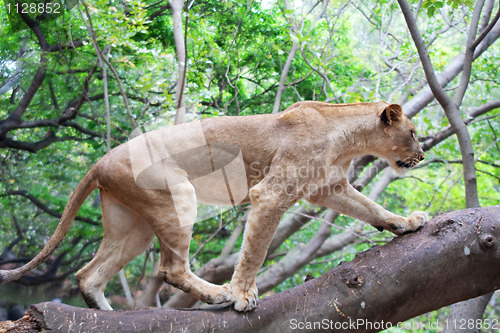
[
  {"x": 410, "y": 161},
  {"x": 404, "y": 165}
]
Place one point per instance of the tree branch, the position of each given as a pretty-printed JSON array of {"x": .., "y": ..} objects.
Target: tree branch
[
  {"x": 453, "y": 258},
  {"x": 36, "y": 83},
  {"x": 59, "y": 47},
  {"x": 488, "y": 28},
  {"x": 45, "y": 208},
  {"x": 295, "y": 259},
  {"x": 284, "y": 74},
  {"x": 180, "y": 47},
  {"x": 450, "y": 108},
  {"x": 425, "y": 96},
  {"x": 469, "y": 54},
  {"x": 103, "y": 58}
]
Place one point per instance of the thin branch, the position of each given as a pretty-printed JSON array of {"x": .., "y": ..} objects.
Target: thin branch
[
  {"x": 483, "y": 108},
  {"x": 469, "y": 54},
  {"x": 44, "y": 207},
  {"x": 72, "y": 45},
  {"x": 486, "y": 30},
  {"x": 222, "y": 226},
  {"x": 33, "y": 147},
  {"x": 90, "y": 28},
  {"x": 284, "y": 74}
]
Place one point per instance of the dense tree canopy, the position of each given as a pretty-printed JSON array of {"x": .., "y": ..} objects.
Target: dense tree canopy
[{"x": 59, "y": 73}]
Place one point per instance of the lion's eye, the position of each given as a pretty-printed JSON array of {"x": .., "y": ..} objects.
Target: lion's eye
[{"x": 413, "y": 135}]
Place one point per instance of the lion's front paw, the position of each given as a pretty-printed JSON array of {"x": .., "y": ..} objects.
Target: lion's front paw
[
  {"x": 413, "y": 222},
  {"x": 224, "y": 295},
  {"x": 244, "y": 300},
  {"x": 416, "y": 220}
]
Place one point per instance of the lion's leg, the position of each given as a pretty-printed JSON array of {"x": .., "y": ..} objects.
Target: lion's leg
[
  {"x": 174, "y": 238},
  {"x": 343, "y": 198},
  {"x": 268, "y": 203},
  {"x": 126, "y": 235},
  {"x": 175, "y": 270}
]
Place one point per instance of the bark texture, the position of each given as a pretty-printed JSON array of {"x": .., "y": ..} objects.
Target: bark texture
[{"x": 453, "y": 258}]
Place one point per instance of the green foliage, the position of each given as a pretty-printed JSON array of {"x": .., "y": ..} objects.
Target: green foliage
[{"x": 433, "y": 6}]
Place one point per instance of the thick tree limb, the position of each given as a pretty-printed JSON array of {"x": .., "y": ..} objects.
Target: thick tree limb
[
  {"x": 453, "y": 258},
  {"x": 33, "y": 147},
  {"x": 472, "y": 308},
  {"x": 487, "y": 29}
]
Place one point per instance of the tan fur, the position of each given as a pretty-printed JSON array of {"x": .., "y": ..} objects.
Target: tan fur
[{"x": 301, "y": 153}]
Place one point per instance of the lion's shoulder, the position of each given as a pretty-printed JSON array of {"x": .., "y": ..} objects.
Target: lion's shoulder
[{"x": 299, "y": 113}]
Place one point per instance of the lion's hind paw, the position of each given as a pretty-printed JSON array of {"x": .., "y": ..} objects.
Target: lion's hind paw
[{"x": 224, "y": 295}]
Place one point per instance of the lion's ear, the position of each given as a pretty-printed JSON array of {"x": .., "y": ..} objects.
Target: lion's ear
[{"x": 393, "y": 112}]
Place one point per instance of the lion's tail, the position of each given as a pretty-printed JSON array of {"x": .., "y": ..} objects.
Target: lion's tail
[{"x": 82, "y": 191}]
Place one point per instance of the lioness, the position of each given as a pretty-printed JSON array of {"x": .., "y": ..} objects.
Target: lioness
[{"x": 156, "y": 194}]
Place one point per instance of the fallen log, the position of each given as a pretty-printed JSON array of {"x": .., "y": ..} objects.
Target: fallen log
[{"x": 456, "y": 256}]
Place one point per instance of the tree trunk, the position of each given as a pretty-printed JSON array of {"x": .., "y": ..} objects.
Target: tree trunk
[
  {"x": 453, "y": 258},
  {"x": 180, "y": 48},
  {"x": 472, "y": 308}
]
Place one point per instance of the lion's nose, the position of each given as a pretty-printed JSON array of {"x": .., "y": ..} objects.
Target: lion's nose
[{"x": 421, "y": 157}]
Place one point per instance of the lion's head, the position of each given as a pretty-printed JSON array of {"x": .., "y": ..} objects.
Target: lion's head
[{"x": 401, "y": 148}]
